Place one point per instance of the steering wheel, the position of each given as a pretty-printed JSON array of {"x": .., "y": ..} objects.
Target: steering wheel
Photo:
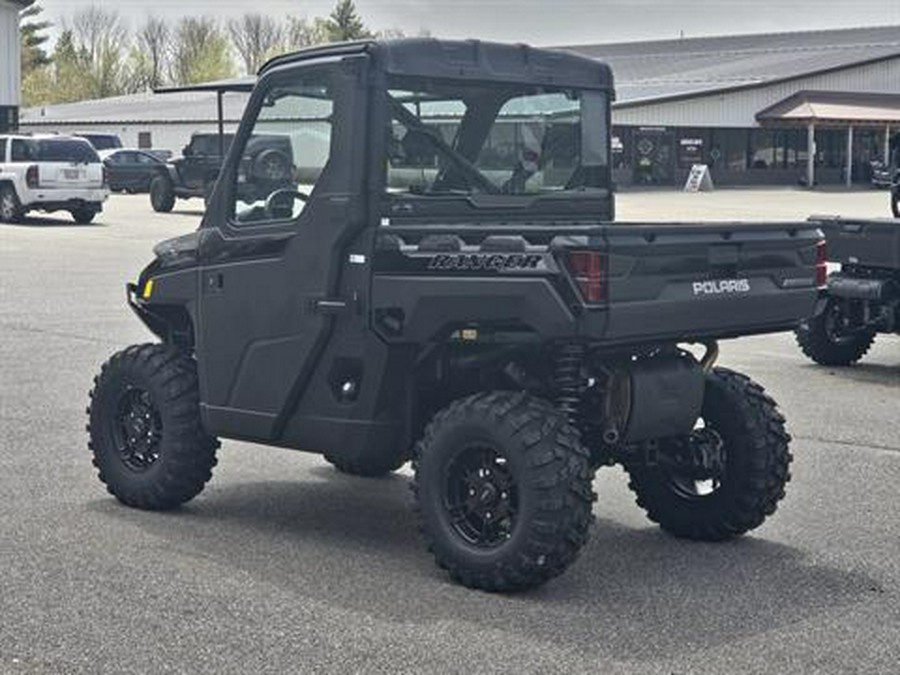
[{"x": 280, "y": 204}]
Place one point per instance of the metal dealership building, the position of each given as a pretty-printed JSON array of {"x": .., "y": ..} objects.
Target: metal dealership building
[
  {"x": 10, "y": 62},
  {"x": 751, "y": 107}
]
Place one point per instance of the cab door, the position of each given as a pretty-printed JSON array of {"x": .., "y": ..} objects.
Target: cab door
[{"x": 290, "y": 198}]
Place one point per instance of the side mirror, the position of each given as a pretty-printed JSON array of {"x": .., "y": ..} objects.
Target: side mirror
[{"x": 188, "y": 151}]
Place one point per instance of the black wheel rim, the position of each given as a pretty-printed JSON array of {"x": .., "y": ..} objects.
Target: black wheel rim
[
  {"x": 698, "y": 467},
  {"x": 835, "y": 325},
  {"x": 137, "y": 429},
  {"x": 481, "y": 497}
]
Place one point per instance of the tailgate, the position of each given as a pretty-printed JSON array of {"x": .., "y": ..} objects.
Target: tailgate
[
  {"x": 70, "y": 175},
  {"x": 709, "y": 280},
  {"x": 873, "y": 243}
]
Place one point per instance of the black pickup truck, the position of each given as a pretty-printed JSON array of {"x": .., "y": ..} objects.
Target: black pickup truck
[{"x": 443, "y": 282}]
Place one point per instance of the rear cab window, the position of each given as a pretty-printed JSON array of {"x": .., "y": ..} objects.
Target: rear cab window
[{"x": 3, "y": 144}]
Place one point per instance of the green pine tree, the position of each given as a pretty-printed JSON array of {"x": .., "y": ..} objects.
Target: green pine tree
[
  {"x": 34, "y": 38},
  {"x": 345, "y": 24}
]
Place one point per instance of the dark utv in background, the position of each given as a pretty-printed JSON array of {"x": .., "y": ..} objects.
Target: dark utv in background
[
  {"x": 862, "y": 298},
  {"x": 441, "y": 281}
]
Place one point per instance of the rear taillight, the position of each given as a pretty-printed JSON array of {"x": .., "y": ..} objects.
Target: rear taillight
[
  {"x": 587, "y": 271},
  {"x": 33, "y": 176},
  {"x": 821, "y": 264},
  {"x": 105, "y": 176}
]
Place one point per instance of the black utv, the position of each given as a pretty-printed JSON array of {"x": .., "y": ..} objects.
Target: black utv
[
  {"x": 442, "y": 283},
  {"x": 861, "y": 297}
]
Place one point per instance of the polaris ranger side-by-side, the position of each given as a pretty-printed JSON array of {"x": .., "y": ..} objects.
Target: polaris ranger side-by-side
[
  {"x": 862, "y": 298},
  {"x": 442, "y": 282}
]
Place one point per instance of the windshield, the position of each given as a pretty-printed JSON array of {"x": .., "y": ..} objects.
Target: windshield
[
  {"x": 454, "y": 138},
  {"x": 60, "y": 150}
]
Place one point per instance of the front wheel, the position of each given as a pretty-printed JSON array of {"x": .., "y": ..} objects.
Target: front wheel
[
  {"x": 503, "y": 491},
  {"x": 728, "y": 475},
  {"x": 162, "y": 195},
  {"x": 144, "y": 424},
  {"x": 825, "y": 337}
]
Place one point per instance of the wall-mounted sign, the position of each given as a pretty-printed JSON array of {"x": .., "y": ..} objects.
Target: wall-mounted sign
[{"x": 690, "y": 151}]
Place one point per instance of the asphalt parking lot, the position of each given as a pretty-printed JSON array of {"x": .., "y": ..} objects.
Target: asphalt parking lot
[{"x": 283, "y": 565}]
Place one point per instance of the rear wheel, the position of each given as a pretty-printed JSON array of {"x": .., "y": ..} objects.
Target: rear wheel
[
  {"x": 144, "y": 425},
  {"x": 728, "y": 475},
  {"x": 10, "y": 208},
  {"x": 83, "y": 216},
  {"x": 827, "y": 339},
  {"x": 162, "y": 195},
  {"x": 503, "y": 491}
]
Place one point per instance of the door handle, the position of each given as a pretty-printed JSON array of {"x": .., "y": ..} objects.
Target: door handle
[{"x": 330, "y": 306}]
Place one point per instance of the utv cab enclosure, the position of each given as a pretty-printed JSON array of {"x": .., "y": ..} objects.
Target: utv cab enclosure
[{"x": 438, "y": 279}]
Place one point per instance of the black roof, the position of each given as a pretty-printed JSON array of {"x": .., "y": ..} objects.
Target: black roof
[{"x": 467, "y": 60}]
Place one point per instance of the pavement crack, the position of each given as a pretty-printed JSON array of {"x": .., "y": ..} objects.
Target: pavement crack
[
  {"x": 54, "y": 333},
  {"x": 851, "y": 444}
]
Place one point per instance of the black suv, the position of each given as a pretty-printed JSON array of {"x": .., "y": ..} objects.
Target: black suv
[
  {"x": 440, "y": 281},
  {"x": 194, "y": 174}
]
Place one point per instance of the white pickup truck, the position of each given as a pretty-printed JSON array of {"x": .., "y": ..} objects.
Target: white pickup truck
[{"x": 50, "y": 173}]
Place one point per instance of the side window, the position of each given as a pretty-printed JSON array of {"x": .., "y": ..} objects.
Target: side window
[
  {"x": 21, "y": 151},
  {"x": 287, "y": 150},
  {"x": 2, "y": 150}
]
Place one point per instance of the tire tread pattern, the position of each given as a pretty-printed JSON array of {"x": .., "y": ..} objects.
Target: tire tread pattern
[
  {"x": 188, "y": 454},
  {"x": 766, "y": 470},
  {"x": 814, "y": 341},
  {"x": 557, "y": 464}
]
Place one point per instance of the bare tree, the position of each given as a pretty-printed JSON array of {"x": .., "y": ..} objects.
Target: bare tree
[
  {"x": 153, "y": 45},
  {"x": 302, "y": 32},
  {"x": 201, "y": 52},
  {"x": 256, "y": 38},
  {"x": 100, "y": 38}
]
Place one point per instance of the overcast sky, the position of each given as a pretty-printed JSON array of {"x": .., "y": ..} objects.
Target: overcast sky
[{"x": 540, "y": 22}]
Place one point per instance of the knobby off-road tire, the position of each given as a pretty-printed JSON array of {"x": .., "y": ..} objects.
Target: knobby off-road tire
[
  {"x": 144, "y": 426},
  {"x": 820, "y": 342},
  {"x": 533, "y": 487},
  {"x": 756, "y": 461},
  {"x": 366, "y": 467},
  {"x": 10, "y": 208},
  {"x": 162, "y": 195}
]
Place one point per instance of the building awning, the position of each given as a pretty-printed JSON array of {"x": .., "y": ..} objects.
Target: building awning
[{"x": 841, "y": 108}]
